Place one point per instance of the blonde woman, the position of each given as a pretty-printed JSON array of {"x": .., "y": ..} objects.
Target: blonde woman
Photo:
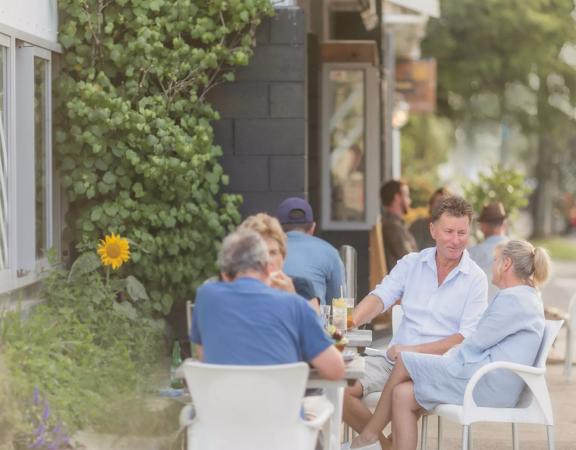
[
  {"x": 271, "y": 231},
  {"x": 511, "y": 329}
]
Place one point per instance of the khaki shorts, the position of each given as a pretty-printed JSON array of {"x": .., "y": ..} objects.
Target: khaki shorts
[{"x": 378, "y": 371}]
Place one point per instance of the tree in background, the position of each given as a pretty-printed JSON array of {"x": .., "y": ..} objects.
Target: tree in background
[
  {"x": 134, "y": 141},
  {"x": 505, "y": 61},
  {"x": 426, "y": 139}
]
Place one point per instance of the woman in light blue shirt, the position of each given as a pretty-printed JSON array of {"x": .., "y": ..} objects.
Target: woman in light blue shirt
[{"x": 511, "y": 330}]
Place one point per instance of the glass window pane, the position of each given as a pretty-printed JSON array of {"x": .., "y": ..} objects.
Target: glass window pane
[
  {"x": 347, "y": 145},
  {"x": 3, "y": 161},
  {"x": 40, "y": 122}
]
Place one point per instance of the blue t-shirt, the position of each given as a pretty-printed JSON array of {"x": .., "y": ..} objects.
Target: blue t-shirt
[
  {"x": 245, "y": 322},
  {"x": 313, "y": 258}
]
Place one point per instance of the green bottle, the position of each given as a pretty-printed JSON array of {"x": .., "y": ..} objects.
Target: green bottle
[{"x": 175, "y": 362}]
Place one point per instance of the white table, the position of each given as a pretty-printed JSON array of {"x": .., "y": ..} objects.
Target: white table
[
  {"x": 334, "y": 392},
  {"x": 359, "y": 338}
]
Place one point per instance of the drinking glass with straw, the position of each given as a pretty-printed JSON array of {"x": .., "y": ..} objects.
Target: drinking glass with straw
[{"x": 339, "y": 311}]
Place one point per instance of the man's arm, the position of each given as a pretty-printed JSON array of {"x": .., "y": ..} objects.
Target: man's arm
[
  {"x": 367, "y": 309},
  {"x": 315, "y": 304},
  {"x": 329, "y": 364},
  {"x": 386, "y": 294},
  {"x": 199, "y": 351},
  {"x": 434, "y": 348}
]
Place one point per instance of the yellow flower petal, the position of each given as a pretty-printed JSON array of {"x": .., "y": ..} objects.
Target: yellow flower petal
[{"x": 114, "y": 250}]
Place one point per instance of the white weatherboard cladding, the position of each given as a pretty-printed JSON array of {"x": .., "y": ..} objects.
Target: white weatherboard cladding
[{"x": 36, "y": 17}]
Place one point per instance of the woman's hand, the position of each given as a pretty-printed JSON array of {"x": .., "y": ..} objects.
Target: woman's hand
[
  {"x": 395, "y": 350},
  {"x": 279, "y": 280}
]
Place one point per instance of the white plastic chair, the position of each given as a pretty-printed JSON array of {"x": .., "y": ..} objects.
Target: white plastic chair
[
  {"x": 251, "y": 408},
  {"x": 570, "y": 337},
  {"x": 534, "y": 405}
]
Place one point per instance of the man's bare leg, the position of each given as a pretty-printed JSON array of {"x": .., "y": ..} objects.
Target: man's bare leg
[
  {"x": 355, "y": 413},
  {"x": 406, "y": 411},
  {"x": 383, "y": 413}
]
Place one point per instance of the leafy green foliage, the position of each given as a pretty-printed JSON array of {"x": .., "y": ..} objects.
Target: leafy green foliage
[
  {"x": 508, "y": 62},
  {"x": 134, "y": 139},
  {"x": 485, "y": 48},
  {"x": 87, "y": 351},
  {"x": 10, "y": 419},
  {"x": 503, "y": 185}
]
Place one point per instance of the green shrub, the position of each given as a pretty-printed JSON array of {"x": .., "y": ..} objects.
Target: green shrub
[
  {"x": 134, "y": 140},
  {"x": 85, "y": 349},
  {"x": 9, "y": 414},
  {"x": 504, "y": 185}
]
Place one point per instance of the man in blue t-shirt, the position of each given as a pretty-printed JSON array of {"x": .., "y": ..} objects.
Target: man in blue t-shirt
[
  {"x": 309, "y": 256},
  {"x": 244, "y": 321}
]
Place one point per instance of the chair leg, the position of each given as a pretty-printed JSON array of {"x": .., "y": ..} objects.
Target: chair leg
[
  {"x": 345, "y": 432},
  {"x": 439, "y": 433},
  {"x": 465, "y": 431},
  {"x": 470, "y": 437},
  {"x": 550, "y": 433},
  {"x": 424, "y": 432},
  {"x": 514, "y": 436}
]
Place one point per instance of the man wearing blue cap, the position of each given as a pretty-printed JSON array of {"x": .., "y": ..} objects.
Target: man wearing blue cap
[{"x": 309, "y": 256}]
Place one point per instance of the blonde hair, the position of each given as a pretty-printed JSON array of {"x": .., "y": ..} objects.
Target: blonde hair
[
  {"x": 530, "y": 263},
  {"x": 268, "y": 227}
]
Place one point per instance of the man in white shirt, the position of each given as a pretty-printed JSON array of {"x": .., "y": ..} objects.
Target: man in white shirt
[{"x": 443, "y": 295}]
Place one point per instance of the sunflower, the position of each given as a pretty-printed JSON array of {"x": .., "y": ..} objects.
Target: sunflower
[{"x": 114, "y": 251}]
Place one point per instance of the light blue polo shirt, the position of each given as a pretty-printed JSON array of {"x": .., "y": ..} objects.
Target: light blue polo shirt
[{"x": 317, "y": 260}]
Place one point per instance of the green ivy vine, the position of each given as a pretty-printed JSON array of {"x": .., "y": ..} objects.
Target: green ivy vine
[{"x": 134, "y": 141}]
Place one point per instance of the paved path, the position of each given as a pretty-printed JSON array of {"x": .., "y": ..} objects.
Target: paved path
[{"x": 562, "y": 285}]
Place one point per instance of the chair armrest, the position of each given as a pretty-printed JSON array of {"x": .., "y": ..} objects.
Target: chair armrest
[
  {"x": 523, "y": 371},
  {"x": 322, "y": 410}
]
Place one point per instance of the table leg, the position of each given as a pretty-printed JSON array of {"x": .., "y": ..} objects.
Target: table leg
[{"x": 335, "y": 394}]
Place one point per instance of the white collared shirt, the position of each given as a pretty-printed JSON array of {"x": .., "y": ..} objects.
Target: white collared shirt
[{"x": 433, "y": 312}]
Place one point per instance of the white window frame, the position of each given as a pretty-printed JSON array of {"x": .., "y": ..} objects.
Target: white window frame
[
  {"x": 24, "y": 268},
  {"x": 42, "y": 263},
  {"x": 7, "y": 43},
  {"x": 26, "y": 259}
]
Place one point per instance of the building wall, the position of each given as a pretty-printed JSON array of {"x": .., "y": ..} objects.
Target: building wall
[
  {"x": 36, "y": 17},
  {"x": 263, "y": 126},
  {"x": 270, "y": 126}
]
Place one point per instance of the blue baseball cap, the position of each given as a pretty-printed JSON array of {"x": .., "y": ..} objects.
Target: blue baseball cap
[{"x": 294, "y": 210}]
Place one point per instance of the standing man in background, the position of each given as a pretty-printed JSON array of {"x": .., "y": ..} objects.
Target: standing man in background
[
  {"x": 309, "y": 256},
  {"x": 492, "y": 223},
  {"x": 398, "y": 241}
]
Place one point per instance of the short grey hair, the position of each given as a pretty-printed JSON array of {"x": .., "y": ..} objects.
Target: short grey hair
[{"x": 242, "y": 251}]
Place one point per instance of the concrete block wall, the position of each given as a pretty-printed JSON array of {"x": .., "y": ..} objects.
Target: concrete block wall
[{"x": 263, "y": 126}]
